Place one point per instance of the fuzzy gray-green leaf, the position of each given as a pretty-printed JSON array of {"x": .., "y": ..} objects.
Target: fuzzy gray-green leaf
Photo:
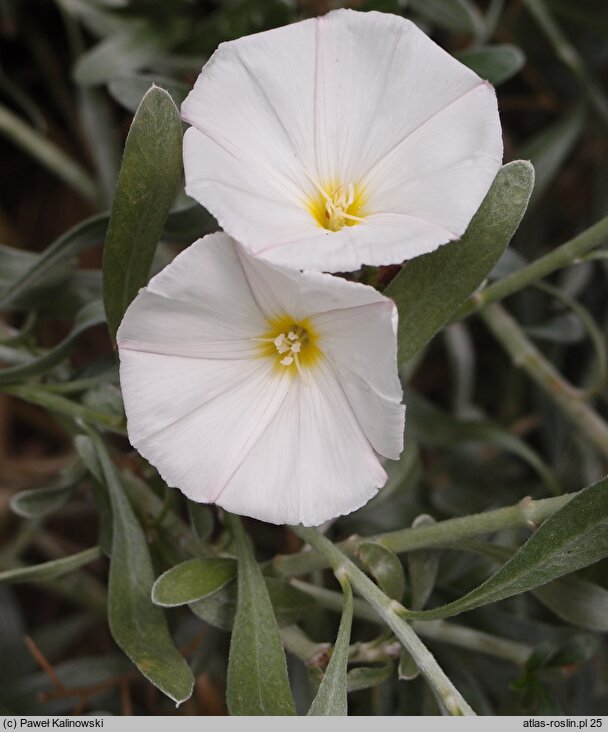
[
  {"x": 192, "y": 580},
  {"x": 331, "y": 699},
  {"x": 149, "y": 174},
  {"x": 257, "y": 682},
  {"x": 431, "y": 288},
  {"x": 574, "y": 537},
  {"x": 138, "y": 626},
  {"x": 494, "y": 63},
  {"x": 50, "y": 570},
  {"x": 385, "y": 567}
]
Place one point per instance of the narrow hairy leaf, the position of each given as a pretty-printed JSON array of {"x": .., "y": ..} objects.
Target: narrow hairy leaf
[
  {"x": 423, "y": 566},
  {"x": 84, "y": 236},
  {"x": 23, "y": 274},
  {"x": 385, "y": 567},
  {"x": 432, "y": 426},
  {"x": 38, "y": 502},
  {"x": 572, "y": 538},
  {"x": 331, "y": 699},
  {"x": 201, "y": 519},
  {"x": 128, "y": 50},
  {"x": 494, "y": 63},
  {"x": 88, "y": 317},
  {"x": 549, "y": 150},
  {"x": 50, "y": 570},
  {"x": 368, "y": 677},
  {"x": 138, "y": 626},
  {"x": 257, "y": 682},
  {"x": 431, "y": 288},
  {"x": 192, "y": 580},
  {"x": 147, "y": 182},
  {"x": 219, "y": 608},
  {"x": 130, "y": 90},
  {"x": 575, "y": 600},
  {"x": 407, "y": 670},
  {"x": 459, "y": 16}
]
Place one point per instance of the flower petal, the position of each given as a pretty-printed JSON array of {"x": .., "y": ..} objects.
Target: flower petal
[
  {"x": 279, "y": 289},
  {"x": 312, "y": 463},
  {"x": 361, "y": 345},
  {"x": 200, "y": 306},
  {"x": 362, "y": 98},
  {"x": 252, "y": 142},
  {"x": 195, "y": 420}
]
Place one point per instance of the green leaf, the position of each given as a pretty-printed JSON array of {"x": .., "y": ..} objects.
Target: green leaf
[
  {"x": 459, "y": 16},
  {"x": 102, "y": 138},
  {"x": 187, "y": 223},
  {"x": 50, "y": 570},
  {"x": 128, "y": 50},
  {"x": 24, "y": 274},
  {"x": 257, "y": 682},
  {"x": 37, "y": 394},
  {"x": 432, "y": 426},
  {"x": 14, "y": 263},
  {"x": 330, "y": 699},
  {"x": 201, "y": 519},
  {"x": 130, "y": 90},
  {"x": 138, "y": 626},
  {"x": 423, "y": 565},
  {"x": 572, "y": 538},
  {"x": 574, "y": 600},
  {"x": 549, "y": 150},
  {"x": 84, "y": 236},
  {"x": 368, "y": 677},
  {"x": 87, "y": 453},
  {"x": 494, "y": 63},
  {"x": 148, "y": 179},
  {"x": 90, "y": 316},
  {"x": 407, "y": 669},
  {"x": 385, "y": 567},
  {"x": 192, "y": 580},
  {"x": 288, "y": 603},
  {"x": 578, "y": 649},
  {"x": 431, "y": 288},
  {"x": 39, "y": 502}
]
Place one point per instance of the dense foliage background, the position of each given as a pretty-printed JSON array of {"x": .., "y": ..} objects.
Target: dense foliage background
[{"x": 507, "y": 401}]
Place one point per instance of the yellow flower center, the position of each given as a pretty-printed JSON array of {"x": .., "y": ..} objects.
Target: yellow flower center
[
  {"x": 337, "y": 206},
  {"x": 291, "y": 344}
]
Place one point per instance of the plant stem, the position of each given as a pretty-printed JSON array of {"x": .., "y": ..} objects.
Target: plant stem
[
  {"x": 437, "y": 630},
  {"x": 526, "y": 356},
  {"x": 562, "y": 256},
  {"x": 525, "y": 513},
  {"x": 389, "y": 610},
  {"x": 12, "y": 127}
]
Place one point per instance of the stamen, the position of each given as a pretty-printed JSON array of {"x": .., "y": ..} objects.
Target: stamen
[{"x": 291, "y": 344}]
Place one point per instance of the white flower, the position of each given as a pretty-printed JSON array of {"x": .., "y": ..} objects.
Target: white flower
[
  {"x": 265, "y": 390},
  {"x": 341, "y": 140}
]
